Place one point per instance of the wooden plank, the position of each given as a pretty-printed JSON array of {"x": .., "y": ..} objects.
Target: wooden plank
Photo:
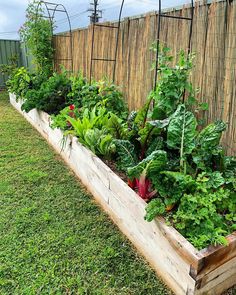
[
  {"x": 220, "y": 279},
  {"x": 214, "y": 257},
  {"x": 180, "y": 244}
]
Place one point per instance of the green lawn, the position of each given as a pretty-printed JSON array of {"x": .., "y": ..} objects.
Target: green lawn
[{"x": 54, "y": 239}]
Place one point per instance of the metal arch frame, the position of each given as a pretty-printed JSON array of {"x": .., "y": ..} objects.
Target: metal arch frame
[
  {"x": 51, "y": 18},
  {"x": 92, "y": 59},
  {"x": 160, "y": 15}
]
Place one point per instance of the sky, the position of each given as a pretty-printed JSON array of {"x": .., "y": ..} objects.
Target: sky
[{"x": 12, "y": 12}]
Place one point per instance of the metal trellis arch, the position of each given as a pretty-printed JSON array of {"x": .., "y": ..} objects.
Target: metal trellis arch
[
  {"x": 114, "y": 60},
  {"x": 160, "y": 16},
  {"x": 51, "y": 9}
]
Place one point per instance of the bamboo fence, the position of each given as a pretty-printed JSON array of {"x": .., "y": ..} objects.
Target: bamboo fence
[{"x": 213, "y": 41}]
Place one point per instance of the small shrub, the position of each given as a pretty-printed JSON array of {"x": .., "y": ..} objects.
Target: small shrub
[{"x": 51, "y": 96}]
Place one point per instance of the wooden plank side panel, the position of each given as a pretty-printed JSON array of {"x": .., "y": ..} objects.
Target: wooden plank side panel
[
  {"x": 220, "y": 279},
  {"x": 214, "y": 257},
  {"x": 159, "y": 253}
]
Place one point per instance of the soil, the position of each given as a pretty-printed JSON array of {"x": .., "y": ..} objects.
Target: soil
[{"x": 113, "y": 167}]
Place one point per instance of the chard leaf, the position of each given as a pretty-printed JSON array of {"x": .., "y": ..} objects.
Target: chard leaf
[
  {"x": 126, "y": 154},
  {"x": 115, "y": 127},
  {"x": 182, "y": 131},
  {"x": 142, "y": 114},
  {"x": 145, "y": 134},
  {"x": 131, "y": 119},
  {"x": 230, "y": 167},
  {"x": 154, "y": 163},
  {"x": 209, "y": 138},
  {"x": 207, "y": 146},
  {"x": 160, "y": 123},
  {"x": 156, "y": 144},
  {"x": 175, "y": 184}
]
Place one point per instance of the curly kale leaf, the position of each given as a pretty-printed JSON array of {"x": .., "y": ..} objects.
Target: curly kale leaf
[
  {"x": 154, "y": 208},
  {"x": 208, "y": 226}
]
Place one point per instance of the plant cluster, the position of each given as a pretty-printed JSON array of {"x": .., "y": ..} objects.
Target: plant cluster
[
  {"x": 96, "y": 115},
  {"x": 37, "y": 33},
  {"x": 8, "y": 69},
  {"x": 19, "y": 82},
  {"x": 178, "y": 168},
  {"x": 182, "y": 172}
]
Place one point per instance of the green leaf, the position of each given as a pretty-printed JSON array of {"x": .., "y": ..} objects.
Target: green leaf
[
  {"x": 230, "y": 167},
  {"x": 173, "y": 185},
  {"x": 115, "y": 127},
  {"x": 154, "y": 208},
  {"x": 91, "y": 138},
  {"x": 126, "y": 154},
  {"x": 154, "y": 163},
  {"x": 156, "y": 144},
  {"x": 106, "y": 146},
  {"x": 208, "y": 153},
  {"x": 142, "y": 114},
  {"x": 209, "y": 138},
  {"x": 211, "y": 180},
  {"x": 182, "y": 131},
  {"x": 160, "y": 123},
  {"x": 204, "y": 106}
]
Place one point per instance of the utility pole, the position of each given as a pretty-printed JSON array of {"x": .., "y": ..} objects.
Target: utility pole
[{"x": 96, "y": 14}]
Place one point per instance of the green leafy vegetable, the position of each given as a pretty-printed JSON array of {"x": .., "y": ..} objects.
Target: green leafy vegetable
[
  {"x": 181, "y": 132},
  {"x": 126, "y": 154},
  {"x": 155, "y": 208},
  {"x": 154, "y": 163}
]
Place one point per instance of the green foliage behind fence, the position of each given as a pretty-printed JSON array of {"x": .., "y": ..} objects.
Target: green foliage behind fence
[{"x": 9, "y": 49}]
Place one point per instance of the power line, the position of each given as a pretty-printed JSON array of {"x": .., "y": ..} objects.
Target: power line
[
  {"x": 127, "y": 3},
  {"x": 71, "y": 17}
]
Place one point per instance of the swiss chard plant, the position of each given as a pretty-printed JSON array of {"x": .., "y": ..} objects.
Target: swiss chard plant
[{"x": 179, "y": 169}]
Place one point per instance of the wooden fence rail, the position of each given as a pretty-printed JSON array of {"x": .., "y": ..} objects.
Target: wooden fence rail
[{"x": 213, "y": 41}]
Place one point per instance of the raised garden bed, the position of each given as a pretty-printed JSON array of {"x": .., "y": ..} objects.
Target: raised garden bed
[{"x": 184, "y": 269}]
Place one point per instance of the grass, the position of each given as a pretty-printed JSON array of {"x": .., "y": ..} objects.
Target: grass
[{"x": 54, "y": 238}]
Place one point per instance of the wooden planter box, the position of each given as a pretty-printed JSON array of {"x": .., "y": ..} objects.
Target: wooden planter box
[{"x": 183, "y": 268}]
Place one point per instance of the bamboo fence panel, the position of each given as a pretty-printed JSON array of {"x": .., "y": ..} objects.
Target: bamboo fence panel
[{"x": 213, "y": 41}]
